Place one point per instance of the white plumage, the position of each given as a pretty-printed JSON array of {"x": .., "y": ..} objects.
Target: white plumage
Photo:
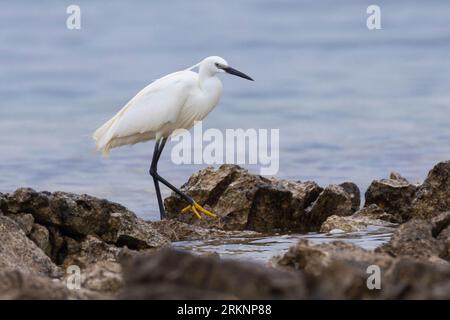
[{"x": 172, "y": 102}]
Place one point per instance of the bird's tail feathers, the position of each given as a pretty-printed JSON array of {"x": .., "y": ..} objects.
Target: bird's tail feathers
[{"x": 102, "y": 137}]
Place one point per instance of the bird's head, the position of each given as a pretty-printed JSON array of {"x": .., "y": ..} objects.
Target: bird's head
[{"x": 215, "y": 64}]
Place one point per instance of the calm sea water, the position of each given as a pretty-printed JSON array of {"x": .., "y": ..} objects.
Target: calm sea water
[{"x": 351, "y": 104}]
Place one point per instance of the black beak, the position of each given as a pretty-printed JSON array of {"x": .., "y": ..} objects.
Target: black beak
[{"x": 235, "y": 72}]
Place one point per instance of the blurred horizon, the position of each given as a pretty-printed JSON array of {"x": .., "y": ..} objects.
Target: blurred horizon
[{"x": 351, "y": 104}]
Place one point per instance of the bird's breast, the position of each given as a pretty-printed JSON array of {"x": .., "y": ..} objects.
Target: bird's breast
[{"x": 204, "y": 99}]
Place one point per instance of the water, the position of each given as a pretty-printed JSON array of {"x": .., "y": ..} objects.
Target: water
[
  {"x": 263, "y": 248},
  {"x": 351, "y": 104}
]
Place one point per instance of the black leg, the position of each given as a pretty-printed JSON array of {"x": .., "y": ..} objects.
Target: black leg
[
  {"x": 153, "y": 167},
  {"x": 159, "y": 146}
]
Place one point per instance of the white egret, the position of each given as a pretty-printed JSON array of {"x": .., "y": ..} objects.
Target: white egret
[{"x": 172, "y": 102}]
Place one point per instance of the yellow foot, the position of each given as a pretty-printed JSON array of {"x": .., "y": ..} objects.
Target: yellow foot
[{"x": 195, "y": 208}]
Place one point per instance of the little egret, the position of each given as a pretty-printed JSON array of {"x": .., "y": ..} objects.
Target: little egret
[{"x": 172, "y": 102}]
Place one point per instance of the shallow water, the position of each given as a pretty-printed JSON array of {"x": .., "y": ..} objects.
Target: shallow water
[
  {"x": 351, "y": 104},
  {"x": 262, "y": 249}
]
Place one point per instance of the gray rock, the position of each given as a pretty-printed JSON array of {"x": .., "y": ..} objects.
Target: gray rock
[
  {"x": 338, "y": 270},
  {"x": 20, "y": 253},
  {"x": 333, "y": 200},
  {"x": 24, "y": 220},
  {"x": 352, "y": 189},
  {"x": 170, "y": 274},
  {"x": 360, "y": 220},
  {"x": 180, "y": 231},
  {"x": 433, "y": 196},
  {"x": 245, "y": 201},
  {"x": 393, "y": 195},
  {"x": 125, "y": 229},
  {"x": 80, "y": 215},
  {"x": 415, "y": 239},
  {"x": 41, "y": 237},
  {"x": 17, "y": 285}
]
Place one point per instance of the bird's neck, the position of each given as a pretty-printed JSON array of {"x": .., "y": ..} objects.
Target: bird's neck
[{"x": 204, "y": 74}]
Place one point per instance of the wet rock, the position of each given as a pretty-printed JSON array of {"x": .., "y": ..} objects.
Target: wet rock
[
  {"x": 250, "y": 202},
  {"x": 180, "y": 231},
  {"x": 20, "y": 253},
  {"x": 24, "y": 220},
  {"x": 415, "y": 239},
  {"x": 355, "y": 195},
  {"x": 170, "y": 274},
  {"x": 333, "y": 200},
  {"x": 433, "y": 196},
  {"x": 393, "y": 195},
  {"x": 41, "y": 237},
  {"x": 360, "y": 220},
  {"x": 17, "y": 285}
]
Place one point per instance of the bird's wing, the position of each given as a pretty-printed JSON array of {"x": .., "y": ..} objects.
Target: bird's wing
[{"x": 154, "y": 106}]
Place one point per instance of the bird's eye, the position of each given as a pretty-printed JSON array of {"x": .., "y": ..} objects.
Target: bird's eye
[{"x": 217, "y": 65}]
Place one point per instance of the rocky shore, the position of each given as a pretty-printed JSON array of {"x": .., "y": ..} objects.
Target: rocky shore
[{"x": 45, "y": 236}]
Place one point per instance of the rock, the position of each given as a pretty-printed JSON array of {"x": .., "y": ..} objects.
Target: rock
[
  {"x": 440, "y": 222},
  {"x": 98, "y": 263},
  {"x": 20, "y": 253},
  {"x": 313, "y": 258},
  {"x": 89, "y": 251},
  {"x": 415, "y": 239},
  {"x": 250, "y": 202},
  {"x": 2, "y": 202},
  {"x": 411, "y": 279},
  {"x": 361, "y": 220},
  {"x": 433, "y": 196},
  {"x": 333, "y": 200},
  {"x": 171, "y": 274},
  {"x": 80, "y": 215},
  {"x": 24, "y": 220},
  {"x": 17, "y": 285},
  {"x": 104, "y": 277},
  {"x": 125, "y": 229},
  {"x": 393, "y": 195},
  {"x": 339, "y": 270},
  {"x": 180, "y": 231},
  {"x": 355, "y": 195},
  {"x": 41, "y": 237}
]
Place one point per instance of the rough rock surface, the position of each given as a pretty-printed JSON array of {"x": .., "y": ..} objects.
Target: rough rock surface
[
  {"x": 360, "y": 220},
  {"x": 433, "y": 196},
  {"x": 393, "y": 195},
  {"x": 333, "y": 200},
  {"x": 339, "y": 270},
  {"x": 45, "y": 233},
  {"x": 20, "y": 253},
  {"x": 80, "y": 215},
  {"x": 171, "y": 274},
  {"x": 355, "y": 195},
  {"x": 418, "y": 239},
  {"x": 17, "y": 285},
  {"x": 179, "y": 231},
  {"x": 313, "y": 258},
  {"x": 250, "y": 202}
]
